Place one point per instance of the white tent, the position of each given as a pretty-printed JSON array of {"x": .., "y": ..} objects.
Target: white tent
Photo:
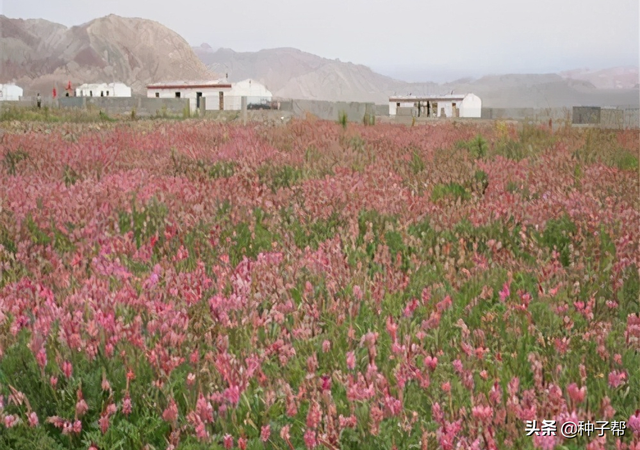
[
  {"x": 255, "y": 92},
  {"x": 10, "y": 92}
]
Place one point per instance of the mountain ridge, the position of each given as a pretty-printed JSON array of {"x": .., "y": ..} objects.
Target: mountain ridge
[
  {"x": 41, "y": 54},
  {"x": 293, "y": 73}
]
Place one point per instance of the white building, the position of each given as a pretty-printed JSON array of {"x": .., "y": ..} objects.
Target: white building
[
  {"x": 103, "y": 90},
  {"x": 215, "y": 92},
  {"x": 450, "y": 105},
  {"x": 218, "y": 94},
  {"x": 10, "y": 92},
  {"x": 255, "y": 92}
]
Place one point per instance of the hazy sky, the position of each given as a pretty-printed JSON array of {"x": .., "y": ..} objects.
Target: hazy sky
[{"x": 410, "y": 39}]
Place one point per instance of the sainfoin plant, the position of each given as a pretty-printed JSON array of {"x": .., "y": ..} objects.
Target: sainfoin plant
[{"x": 189, "y": 285}]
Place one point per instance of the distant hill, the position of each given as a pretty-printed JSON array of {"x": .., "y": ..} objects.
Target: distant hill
[
  {"x": 291, "y": 73},
  {"x": 614, "y": 78},
  {"x": 37, "y": 54}
]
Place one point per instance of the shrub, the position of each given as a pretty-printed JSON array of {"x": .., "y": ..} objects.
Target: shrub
[
  {"x": 343, "y": 119},
  {"x": 450, "y": 190},
  {"x": 477, "y": 147}
]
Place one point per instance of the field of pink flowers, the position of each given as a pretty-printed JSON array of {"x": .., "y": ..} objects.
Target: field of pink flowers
[{"x": 185, "y": 285}]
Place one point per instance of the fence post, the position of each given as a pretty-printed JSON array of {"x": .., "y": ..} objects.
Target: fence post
[{"x": 243, "y": 107}]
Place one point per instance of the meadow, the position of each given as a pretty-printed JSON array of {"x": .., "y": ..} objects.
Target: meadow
[{"x": 189, "y": 285}]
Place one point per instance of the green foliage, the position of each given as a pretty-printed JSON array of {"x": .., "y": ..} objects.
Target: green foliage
[
  {"x": 162, "y": 113},
  {"x": 477, "y": 147},
  {"x": 450, "y": 190},
  {"x": 143, "y": 223},
  {"x": 480, "y": 181},
  {"x": 357, "y": 144},
  {"x": 12, "y": 159},
  {"x": 369, "y": 119},
  {"x": 198, "y": 169},
  {"x": 312, "y": 154},
  {"x": 420, "y": 229},
  {"x": 26, "y": 438},
  {"x": 624, "y": 160},
  {"x": 311, "y": 234},
  {"x": 512, "y": 149},
  {"x": 69, "y": 176},
  {"x": 558, "y": 234},
  {"x": 417, "y": 164},
  {"x": 48, "y": 115},
  {"x": 222, "y": 169},
  {"x": 381, "y": 229},
  {"x": 396, "y": 245},
  {"x": 278, "y": 177},
  {"x": 105, "y": 117},
  {"x": 250, "y": 239},
  {"x": 601, "y": 146},
  {"x": 630, "y": 293},
  {"x": 532, "y": 141}
]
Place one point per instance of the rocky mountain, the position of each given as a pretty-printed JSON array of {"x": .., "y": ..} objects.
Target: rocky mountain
[
  {"x": 291, "y": 73},
  {"x": 38, "y": 54}
]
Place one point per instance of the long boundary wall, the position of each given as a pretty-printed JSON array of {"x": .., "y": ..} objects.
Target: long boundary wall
[
  {"x": 329, "y": 110},
  {"x": 143, "y": 106}
]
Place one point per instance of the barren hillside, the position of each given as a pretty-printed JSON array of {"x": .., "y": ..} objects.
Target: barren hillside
[
  {"x": 289, "y": 72},
  {"x": 614, "y": 78},
  {"x": 39, "y": 54}
]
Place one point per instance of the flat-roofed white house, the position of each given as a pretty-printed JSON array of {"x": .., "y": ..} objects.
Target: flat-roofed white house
[
  {"x": 10, "y": 93},
  {"x": 103, "y": 90},
  {"x": 449, "y": 105},
  {"x": 215, "y": 92}
]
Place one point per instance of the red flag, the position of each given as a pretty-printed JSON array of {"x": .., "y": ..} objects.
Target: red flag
[{"x": 55, "y": 94}]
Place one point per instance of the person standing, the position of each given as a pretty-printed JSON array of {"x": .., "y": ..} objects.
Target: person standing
[{"x": 38, "y": 100}]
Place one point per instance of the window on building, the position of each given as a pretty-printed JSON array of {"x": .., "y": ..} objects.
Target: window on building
[
  {"x": 157, "y": 94},
  {"x": 107, "y": 93},
  {"x": 177, "y": 94},
  {"x": 90, "y": 93}
]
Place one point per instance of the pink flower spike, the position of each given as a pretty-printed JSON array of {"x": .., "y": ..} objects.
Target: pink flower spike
[{"x": 265, "y": 432}]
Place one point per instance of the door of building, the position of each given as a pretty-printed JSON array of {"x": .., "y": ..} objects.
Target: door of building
[{"x": 221, "y": 102}]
